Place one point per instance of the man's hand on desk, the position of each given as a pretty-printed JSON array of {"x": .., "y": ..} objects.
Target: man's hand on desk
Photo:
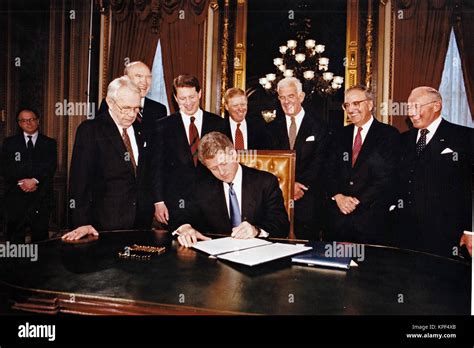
[
  {"x": 245, "y": 231},
  {"x": 188, "y": 236},
  {"x": 161, "y": 213},
  {"x": 80, "y": 232}
]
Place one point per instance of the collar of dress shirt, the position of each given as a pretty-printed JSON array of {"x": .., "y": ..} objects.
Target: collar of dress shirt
[
  {"x": 34, "y": 137},
  {"x": 365, "y": 129},
  {"x": 142, "y": 102},
  {"x": 187, "y": 120},
  {"x": 298, "y": 120},
  {"x": 433, "y": 127},
  {"x": 237, "y": 188}
]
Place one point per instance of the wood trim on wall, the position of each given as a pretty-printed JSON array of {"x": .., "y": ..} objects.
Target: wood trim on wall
[
  {"x": 352, "y": 47},
  {"x": 240, "y": 46}
]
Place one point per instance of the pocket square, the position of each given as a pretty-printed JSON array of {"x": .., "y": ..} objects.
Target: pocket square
[
  {"x": 144, "y": 144},
  {"x": 446, "y": 150},
  {"x": 310, "y": 138}
]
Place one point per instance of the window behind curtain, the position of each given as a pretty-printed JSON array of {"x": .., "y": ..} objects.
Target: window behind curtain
[
  {"x": 455, "y": 106},
  {"x": 158, "y": 90}
]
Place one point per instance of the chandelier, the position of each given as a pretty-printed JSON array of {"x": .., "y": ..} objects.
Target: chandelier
[{"x": 302, "y": 58}]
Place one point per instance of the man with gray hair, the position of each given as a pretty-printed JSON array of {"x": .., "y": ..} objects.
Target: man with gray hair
[
  {"x": 108, "y": 189},
  {"x": 361, "y": 173},
  {"x": 150, "y": 111},
  {"x": 302, "y": 131},
  {"x": 241, "y": 201},
  {"x": 434, "y": 201}
]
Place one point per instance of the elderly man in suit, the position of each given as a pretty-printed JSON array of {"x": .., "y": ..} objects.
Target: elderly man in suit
[
  {"x": 361, "y": 173},
  {"x": 108, "y": 188},
  {"x": 150, "y": 111},
  {"x": 175, "y": 162},
  {"x": 434, "y": 204},
  {"x": 301, "y": 131},
  {"x": 28, "y": 164},
  {"x": 241, "y": 201},
  {"x": 245, "y": 132}
]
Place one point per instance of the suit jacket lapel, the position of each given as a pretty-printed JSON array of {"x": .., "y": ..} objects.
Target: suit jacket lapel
[
  {"x": 248, "y": 200},
  {"x": 113, "y": 135},
  {"x": 304, "y": 132},
  {"x": 348, "y": 134},
  {"x": 181, "y": 139},
  {"x": 368, "y": 143},
  {"x": 282, "y": 133}
]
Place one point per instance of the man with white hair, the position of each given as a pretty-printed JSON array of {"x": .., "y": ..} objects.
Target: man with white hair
[
  {"x": 150, "y": 111},
  {"x": 303, "y": 132},
  {"x": 434, "y": 202},
  {"x": 108, "y": 189}
]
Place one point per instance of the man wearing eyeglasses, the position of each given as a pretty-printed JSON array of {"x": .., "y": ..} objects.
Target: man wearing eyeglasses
[
  {"x": 108, "y": 188},
  {"x": 301, "y": 131},
  {"x": 150, "y": 111},
  {"x": 361, "y": 173},
  {"x": 28, "y": 164},
  {"x": 434, "y": 204}
]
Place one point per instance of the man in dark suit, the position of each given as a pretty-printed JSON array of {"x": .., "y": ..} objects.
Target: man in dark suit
[
  {"x": 308, "y": 136},
  {"x": 245, "y": 132},
  {"x": 28, "y": 165},
  {"x": 108, "y": 188},
  {"x": 434, "y": 203},
  {"x": 235, "y": 199},
  {"x": 150, "y": 111},
  {"x": 175, "y": 161},
  {"x": 361, "y": 173}
]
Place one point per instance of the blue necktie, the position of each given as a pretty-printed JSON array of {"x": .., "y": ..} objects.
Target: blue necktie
[{"x": 235, "y": 218}]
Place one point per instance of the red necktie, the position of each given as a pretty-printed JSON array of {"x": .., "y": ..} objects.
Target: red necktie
[
  {"x": 357, "y": 146},
  {"x": 239, "y": 138},
  {"x": 193, "y": 140}
]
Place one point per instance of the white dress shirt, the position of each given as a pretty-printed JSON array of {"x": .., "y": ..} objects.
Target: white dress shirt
[
  {"x": 243, "y": 128},
  {"x": 238, "y": 192},
  {"x": 187, "y": 121},
  {"x": 432, "y": 130},
  {"x": 34, "y": 137},
  {"x": 365, "y": 130},
  {"x": 298, "y": 120}
]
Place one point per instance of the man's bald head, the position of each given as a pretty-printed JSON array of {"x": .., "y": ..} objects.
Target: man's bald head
[
  {"x": 140, "y": 74},
  {"x": 424, "y": 106}
]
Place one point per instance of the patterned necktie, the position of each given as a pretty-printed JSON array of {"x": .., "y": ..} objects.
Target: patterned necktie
[
  {"x": 235, "y": 218},
  {"x": 421, "y": 143},
  {"x": 128, "y": 146},
  {"x": 292, "y": 134},
  {"x": 193, "y": 140},
  {"x": 29, "y": 144},
  {"x": 239, "y": 138},
  {"x": 357, "y": 146}
]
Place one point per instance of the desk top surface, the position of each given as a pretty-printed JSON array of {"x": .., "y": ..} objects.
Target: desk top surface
[{"x": 388, "y": 281}]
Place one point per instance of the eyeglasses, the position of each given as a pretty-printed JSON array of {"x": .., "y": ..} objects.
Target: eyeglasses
[
  {"x": 356, "y": 104},
  {"x": 127, "y": 109},
  {"x": 414, "y": 108},
  {"x": 28, "y": 120}
]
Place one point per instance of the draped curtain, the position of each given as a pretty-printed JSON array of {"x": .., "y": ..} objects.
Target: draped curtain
[
  {"x": 422, "y": 31},
  {"x": 464, "y": 31},
  {"x": 182, "y": 40},
  {"x": 138, "y": 24}
]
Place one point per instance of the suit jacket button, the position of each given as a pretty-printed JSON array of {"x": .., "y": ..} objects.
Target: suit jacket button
[
  {"x": 134, "y": 203},
  {"x": 351, "y": 183},
  {"x": 409, "y": 192}
]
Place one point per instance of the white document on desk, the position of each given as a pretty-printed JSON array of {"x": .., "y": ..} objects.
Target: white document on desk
[
  {"x": 228, "y": 245},
  {"x": 256, "y": 256}
]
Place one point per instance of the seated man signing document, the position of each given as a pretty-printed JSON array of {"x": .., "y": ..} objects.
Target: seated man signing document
[{"x": 237, "y": 200}]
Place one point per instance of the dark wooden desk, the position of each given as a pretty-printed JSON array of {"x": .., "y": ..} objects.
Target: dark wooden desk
[{"x": 91, "y": 279}]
